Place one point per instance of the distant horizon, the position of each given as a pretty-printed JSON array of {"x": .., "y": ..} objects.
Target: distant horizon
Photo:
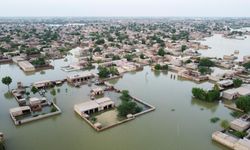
[
  {"x": 125, "y": 8},
  {"x": 124, "y": 16}
]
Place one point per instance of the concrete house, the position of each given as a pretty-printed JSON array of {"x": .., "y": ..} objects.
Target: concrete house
[
  {"x": 18, "y": 111},
  {"x": 236, "y": 92},
  {"x": 80, "y": 77},
  {"x": 26, "y": 66},
  {"x": 97, "y": 105}
]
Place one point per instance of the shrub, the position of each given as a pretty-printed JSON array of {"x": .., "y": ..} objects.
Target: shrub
[
  {"x": 214, "y": 120},
  {"x": 53, "y": 109}
]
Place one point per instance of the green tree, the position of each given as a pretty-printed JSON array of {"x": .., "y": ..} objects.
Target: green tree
[
  {"x": 129, "y": 57},
  {"x": 7, "y": 81},
  {"x": 161, "y": 52},
  {"x": 113, "y": 71},
  {"x": 34, "y": 90},
  {"x": 97, "y": 49},
  {"x": 199, "y": 93},
  {"x": 103, "y": 72},
  {"x": 237, "y": 82},
  {"x": 204, "y": 70},
  {"x": 164, "y": 67},
  {"x": 128, "y": 107},
  {"x": 39, "y": 61},
  {"x": 100, "y": 41},
  {"x": 243, "y": 103},
  {"x": 183, "y": 48},
  {"x": 209, "y": 96},
  {"x": 205, "y": 62},
  {"x": 116, "y": 57},
  {"x": 247, "y": 65},
  {"x": 157, "y": 67},
  {"x": 142, "y": 56},
  {"x": 125, "y": 95}
]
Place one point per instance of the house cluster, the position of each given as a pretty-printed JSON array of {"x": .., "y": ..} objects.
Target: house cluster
[
  {"x": 31, "y": 108},
  {"x": 230, "y": 139}
]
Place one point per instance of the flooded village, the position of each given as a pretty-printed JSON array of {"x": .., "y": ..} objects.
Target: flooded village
[{"x": 73, "y": 78}]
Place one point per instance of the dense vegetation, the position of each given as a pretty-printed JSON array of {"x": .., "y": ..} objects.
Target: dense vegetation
[
  {"x": 205, "y": 62},
  {"x": 247, "y": 65},
  {"x": 127, "y": 106},
  {"x": 238, "y": 133},
  {"x": 105, "y": 72},
  {"x": 237, "y": 82},
  {"x": 161, "y": 67},
  {"x": 209, "y": 96},
  {"x": 204, "y": 65},
  {"x": 243, "y": 103},
  {"x": 39, "y": 61}
]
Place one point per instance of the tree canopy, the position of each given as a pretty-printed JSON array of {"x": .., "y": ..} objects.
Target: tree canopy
[
  {"x": 247, "y": 65},
  {"x": 161, "y": 52},
  {"x": 161, "y": 67},
  {"x": 209, "y": 96},
  {"x": 34, "y": 90},
  {"x": 127, "y": 106},
  {"x": 7, "y": 81},
  {"x": 105, "y": 72},
  {"x": 243, "y": 103},
  {"x": 205, "y": 62},
  {"x": 237, "y": 82}
]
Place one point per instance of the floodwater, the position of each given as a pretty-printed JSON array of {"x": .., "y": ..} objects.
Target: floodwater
[
  {"x": 177, "y": 123},
  {"x": 221, "y": 46}
]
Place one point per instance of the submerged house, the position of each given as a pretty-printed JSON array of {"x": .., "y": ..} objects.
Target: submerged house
[
  {"x": 225, "y": 83},
  {"x": 42, "y": 84},
  {"x": 236, "y": 92},
  {"x": 97, "y": 91},
  {"x": 34, "y": 101},
  {"x": 192, "y": 75},
  {"x": 18, "y": 111},
  {"x": 80, "y": 77},
  {"x": 26, "y": 66},
  {"x": 241, "y": 124},
  {"x": 236, "y": 143},
  {"x": 89, "y": 107}
]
